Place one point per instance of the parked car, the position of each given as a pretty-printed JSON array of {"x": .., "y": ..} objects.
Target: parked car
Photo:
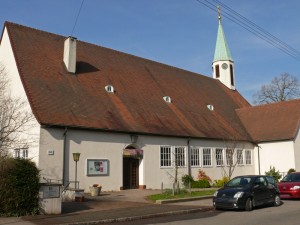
[
  {"x": 246, "y": 192},
  {"x": 289, "y": 186}
]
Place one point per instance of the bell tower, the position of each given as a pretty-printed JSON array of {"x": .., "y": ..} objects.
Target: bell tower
[{"x": 223, "y": 65}]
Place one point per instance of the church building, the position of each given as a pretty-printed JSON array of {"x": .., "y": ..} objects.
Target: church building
[{"x": 134, "y": 121}]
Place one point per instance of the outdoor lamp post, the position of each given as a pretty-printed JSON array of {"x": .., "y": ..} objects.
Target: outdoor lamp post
[{"x": 76, "y": 157}]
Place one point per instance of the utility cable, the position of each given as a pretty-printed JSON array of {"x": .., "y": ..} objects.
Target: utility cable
[
  {"x": 77, "y": 17},
  {"x": 252, "y": 28},
  {"x": 258, "y": 27}
]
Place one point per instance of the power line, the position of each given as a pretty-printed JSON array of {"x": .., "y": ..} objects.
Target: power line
[
  {"x": 258, "y": 27},
  {"x": 252, "y": 28},
  {"x": 77, "y": 17}
]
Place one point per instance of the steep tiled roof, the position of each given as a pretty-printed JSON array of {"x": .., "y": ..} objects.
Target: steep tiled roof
[
  {"x": 63, "y": 99},
  {"x": 272, "y": 122}
]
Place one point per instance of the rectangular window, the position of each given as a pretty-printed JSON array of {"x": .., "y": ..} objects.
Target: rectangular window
[
  {"x": 239, "y": 157},
  {"x": 17, "y": 153},
  {"x": 195, "y": 157},
  {"x": 219, "y": 157},
  {"x": 165, "y": 156},
  {"x": 231, "y": 75},
  {"x": 25, "y": 153},
  {"x": 229, "y": 156},
  {"x": 179, "y": 156},
  {"x": 206, "y": 157},
  {"x": 248, "y": 157},
  {"x": 217, "y": 71}
]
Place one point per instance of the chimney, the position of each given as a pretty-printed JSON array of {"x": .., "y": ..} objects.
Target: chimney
[{"x": 70, "y": 54}]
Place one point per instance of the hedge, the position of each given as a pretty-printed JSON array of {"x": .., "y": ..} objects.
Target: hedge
[{"x": 19, "y": 187}]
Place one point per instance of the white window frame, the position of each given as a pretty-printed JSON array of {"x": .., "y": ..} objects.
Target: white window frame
[
  {"x": 169, "y": 160},
  {"x": 165, "y": 161},
  {"x": 246, "y": 159},
  {"x": 227, "y": 158},
  {"x": 240, "y": 161},
  {"x": 204, "y": 158},
  {"x": 17, "y": 153},
  {"x": 219, "y": 157},
  {"x": 196, "y": 157},
  {"x": 180, "y": 152}
]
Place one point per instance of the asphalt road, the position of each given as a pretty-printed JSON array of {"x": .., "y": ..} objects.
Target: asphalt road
[{"x": 286, "y": 214}]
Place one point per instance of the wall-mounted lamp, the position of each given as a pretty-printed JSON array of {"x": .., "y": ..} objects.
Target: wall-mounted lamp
[
  {"x": 134, "y": 138},
  {"x": 76, "y": 157}
]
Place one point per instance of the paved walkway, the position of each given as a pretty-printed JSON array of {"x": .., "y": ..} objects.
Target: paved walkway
[{"x": 111, "y": 207}]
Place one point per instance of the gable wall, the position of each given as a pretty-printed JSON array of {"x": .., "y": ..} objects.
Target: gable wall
[
  {"x": 8, "y": 61},
  {"x": 277, "y": 154},
  {"x": 297, "y": 151}
]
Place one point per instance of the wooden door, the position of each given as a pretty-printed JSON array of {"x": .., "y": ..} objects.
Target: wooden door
[{"x": 130, "y": 173}]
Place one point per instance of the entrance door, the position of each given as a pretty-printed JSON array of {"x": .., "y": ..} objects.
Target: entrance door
[{"x": 130, "y": 173}]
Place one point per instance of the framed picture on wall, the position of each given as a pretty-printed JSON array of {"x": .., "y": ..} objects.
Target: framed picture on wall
[{"x": 97, "y": 167}]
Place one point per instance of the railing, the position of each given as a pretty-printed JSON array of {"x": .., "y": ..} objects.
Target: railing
[{"x": 65, "y": 184}]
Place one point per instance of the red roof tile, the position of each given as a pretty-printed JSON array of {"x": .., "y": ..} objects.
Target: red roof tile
[
  {"x": 63, "y": 99},
  {"x": 272, "y": 122}
]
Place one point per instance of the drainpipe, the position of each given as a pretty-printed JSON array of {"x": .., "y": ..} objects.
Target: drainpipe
[
  {"x": 258, "y": 147},
  {"x": 189, "y": 157},
  {"x": 64, "y": 156}
]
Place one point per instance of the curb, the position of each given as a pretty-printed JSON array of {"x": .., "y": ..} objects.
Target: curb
[
  {"x": 124, "y": 219},
  {"x": 182, "y": 199}
]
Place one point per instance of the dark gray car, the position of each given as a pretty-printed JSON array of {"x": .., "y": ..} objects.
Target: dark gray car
[{"x": 246, "y": 192}]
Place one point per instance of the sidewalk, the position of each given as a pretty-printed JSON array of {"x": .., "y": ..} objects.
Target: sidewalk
[{"x": 109, "y": 207}]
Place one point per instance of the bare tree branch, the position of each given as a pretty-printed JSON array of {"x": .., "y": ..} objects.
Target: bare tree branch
[
  {"x": 282, "y": 88},
  {"x": 15, "y": 118},
  {"x": 232, "y": 157}
]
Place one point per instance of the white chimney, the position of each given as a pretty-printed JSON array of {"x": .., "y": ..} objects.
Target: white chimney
[{"x": 70, "y": 54}]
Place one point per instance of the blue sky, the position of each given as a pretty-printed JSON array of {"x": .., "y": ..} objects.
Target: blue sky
[{"x": 181, "y": 33}]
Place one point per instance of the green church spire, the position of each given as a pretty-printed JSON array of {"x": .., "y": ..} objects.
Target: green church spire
[{"x": 222, "y": 51}]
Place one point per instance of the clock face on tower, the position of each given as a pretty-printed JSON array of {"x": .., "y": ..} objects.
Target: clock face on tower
[{"x": 224, "y": 66}]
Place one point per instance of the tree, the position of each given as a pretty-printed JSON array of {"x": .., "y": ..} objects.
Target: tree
[
  {"x": 15, "y": 118},
  {"x": 233, "y": 152},
  {"x": 282, "y": 88},
  {"x": 178, "y": 160}
]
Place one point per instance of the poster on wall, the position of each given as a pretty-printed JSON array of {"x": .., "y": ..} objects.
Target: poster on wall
[{"x": 97, "y": 167}]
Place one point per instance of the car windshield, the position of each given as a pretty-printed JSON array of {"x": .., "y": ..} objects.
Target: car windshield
[
  {"x": 239, "y": 182},
  {"x": 292, "y": 177}
]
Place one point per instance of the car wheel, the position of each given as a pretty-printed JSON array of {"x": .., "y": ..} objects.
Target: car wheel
[
  {"x": 277, "y": 200},
  {"x": 248, "y": 205}
]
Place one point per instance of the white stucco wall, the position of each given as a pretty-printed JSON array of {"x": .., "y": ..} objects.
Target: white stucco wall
[
  {"x": 104, "y": 145},
  {"x": 297, "y": 151},
  {"x": 278, "y": 154},
  {"x": 8, "y": 61}
]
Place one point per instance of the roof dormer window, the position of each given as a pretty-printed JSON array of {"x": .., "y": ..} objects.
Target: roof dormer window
[
  {"x": 109, "y": 88},
  {"x": 210, "y": 107},
  {"x": 167, "y": 99}
]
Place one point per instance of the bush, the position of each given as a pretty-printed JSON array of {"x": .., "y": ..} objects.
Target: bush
[
  {"x": 291, "y": 170},
  {"x": 272, "y": 172},
  {"x": 202, "y": 176},
  {"x": 19, "y": 179},
  {"x": 187, "y": 180},
  {"x": 221, "y": 182},
  {"x": 201, "y": 184}
]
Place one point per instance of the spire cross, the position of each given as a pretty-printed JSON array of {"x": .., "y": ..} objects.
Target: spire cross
[{"x": 219, "y": 13}]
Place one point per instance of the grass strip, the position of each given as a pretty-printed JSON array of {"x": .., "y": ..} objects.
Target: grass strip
[{"x": 182, "y": 194}]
